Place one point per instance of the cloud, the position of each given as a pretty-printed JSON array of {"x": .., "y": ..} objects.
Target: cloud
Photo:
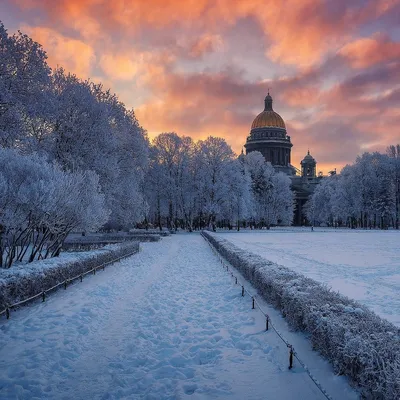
[
  {"x": 72, "y": 54},
  {"x": 205, "y": 44},
  {"x": 120, "y": 66},
  {"x": 298, "y": 32},
  {"x": 337, "y": 123},
  {"x": 365, "y": 52},
  {"x": 203, "y": 68}
]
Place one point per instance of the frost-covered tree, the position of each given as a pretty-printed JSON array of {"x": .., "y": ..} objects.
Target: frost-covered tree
[
  {"x": 168, "y": 152},
  {"x": 24, "y": 88},
  {"x": 393, "y": 152},
  {"x": 363, "y": 195},
  {"x": 214, "y": 154},
  {"x": 238, "y": 204},
  {"x": 273, "y": 198},
  {"x": 75, "y": 123},
  {"x": 40, "y": 204},
  {"x": 319, "y": 206}
]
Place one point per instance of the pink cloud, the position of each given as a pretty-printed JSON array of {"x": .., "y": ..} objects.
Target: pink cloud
[
  {"x": 365, "y": 52},
  {"x": 72, "y": 54}
]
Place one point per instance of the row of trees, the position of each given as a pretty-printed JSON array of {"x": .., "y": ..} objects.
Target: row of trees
[
  {"x": 69, "y": 147},
  {"x": 194, "y": 185},
  {"x": 73, "y": 157},
  {"x": 365, "y": 194}
]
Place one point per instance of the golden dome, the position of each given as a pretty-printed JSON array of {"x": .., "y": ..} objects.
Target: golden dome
[{"x": 268, "y": 118}]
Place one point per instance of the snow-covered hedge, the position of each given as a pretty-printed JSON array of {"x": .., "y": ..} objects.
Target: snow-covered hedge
[
  {"x": 358, "y": 343},
  {"x": 150, "y": 232},
  {"x": 24, "y": 281},
  {"x": 87, "y": 243}
]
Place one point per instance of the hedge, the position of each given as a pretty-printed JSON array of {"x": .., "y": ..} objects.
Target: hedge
[
  {"x": 357, "y": 342},
  {"x": 21, "y": 282}
]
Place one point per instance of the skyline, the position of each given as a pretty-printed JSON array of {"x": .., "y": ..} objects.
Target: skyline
[{"x": 200, "y": 69}]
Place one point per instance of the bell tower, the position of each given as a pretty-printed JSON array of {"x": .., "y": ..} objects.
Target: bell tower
[{"x": 308, "y": 166}]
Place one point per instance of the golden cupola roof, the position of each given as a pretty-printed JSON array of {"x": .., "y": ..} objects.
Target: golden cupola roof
[{"x": 268, "y": 118}]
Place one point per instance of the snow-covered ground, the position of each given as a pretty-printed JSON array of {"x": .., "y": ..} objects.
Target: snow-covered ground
[
  {"x": 167, "y": 323},
  {"x": 363, "y": 265}
]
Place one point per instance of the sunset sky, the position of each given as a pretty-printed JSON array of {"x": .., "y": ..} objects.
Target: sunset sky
[{"x": 200, "y": 67}]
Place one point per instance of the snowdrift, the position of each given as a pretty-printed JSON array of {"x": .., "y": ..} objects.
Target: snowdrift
[
  {"x": 23, "y": 281},
  {"x": 358, "y": 343}
]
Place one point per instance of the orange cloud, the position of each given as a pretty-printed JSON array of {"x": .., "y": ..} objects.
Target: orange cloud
[
  {"x": 298, "y": 32},
  {"x": 205, "y": 44},
  {"x": 120, "y": 66},
  {"x": 363, "y": 53},
  {"x": 72, "y": 54},
  {"x": 304, "y": 96},
  {"x": 328, "y": 100}
]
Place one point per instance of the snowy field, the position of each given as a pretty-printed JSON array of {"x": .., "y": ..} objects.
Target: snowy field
[
  {"x": 167, "y": 323},
  {"x": 363, "y": 265}
]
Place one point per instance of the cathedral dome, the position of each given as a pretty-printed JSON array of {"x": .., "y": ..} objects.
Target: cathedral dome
[
  {"x": 308, "y": 158},
  {"x": 268, "y": 118}
]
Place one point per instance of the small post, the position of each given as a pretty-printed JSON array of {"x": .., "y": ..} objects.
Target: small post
[
  {"x": 104, "y": 266},
  {"x": 242, "y": 291},
  {"x": 290, "y": 357},
  {"x": 235, "y": 280},
  {"x": 266, "y": 323},
  {"x": 7, "y": 313},
  {"x": 43, "y": 297},
  {"x": 253, "y": 303},
  {"x": 81, "y": 278},
  {"x": 65, "y": 285},
  {"x": 94, "y": 271},
  {"x": 227, "y": 268}
]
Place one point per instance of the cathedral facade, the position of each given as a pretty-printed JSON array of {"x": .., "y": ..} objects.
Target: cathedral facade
[{"x": 268, "y": 135}]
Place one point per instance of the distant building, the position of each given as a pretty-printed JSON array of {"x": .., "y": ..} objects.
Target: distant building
[{"x": 268, "y": 136}]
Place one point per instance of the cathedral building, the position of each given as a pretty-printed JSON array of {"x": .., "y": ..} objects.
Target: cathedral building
[{"x": 268, "y": 135}]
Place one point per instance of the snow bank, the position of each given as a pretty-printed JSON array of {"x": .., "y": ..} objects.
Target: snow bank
[
  {"x": 356, "y": 341},
  {"x": 26, "y": 280}
]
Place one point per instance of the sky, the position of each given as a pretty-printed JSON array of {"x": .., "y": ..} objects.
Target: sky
[{"x": 203, "y": 67}]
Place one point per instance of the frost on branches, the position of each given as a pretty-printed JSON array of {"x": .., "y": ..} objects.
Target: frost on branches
[
  {"x": 41, "y": 204},
  {"x": 85, "y": 155},
  {"x": 203, "y": 184},
  {"x": 365, "y": 194}
]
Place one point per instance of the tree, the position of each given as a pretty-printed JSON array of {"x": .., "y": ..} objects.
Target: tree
[
  {"x": 213, "y": 156},
  {"x": 363, "y": 195},
  {"x": 40, "y": 204},
  {"x": 393, "y": 153},
  {"x": 273, "y": 198},
  {"x": 24, "y": 87},
  {"x": 237, "y": 206}
]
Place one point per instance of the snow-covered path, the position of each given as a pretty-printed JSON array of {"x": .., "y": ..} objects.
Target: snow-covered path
[{"x": 167, "y": 323}]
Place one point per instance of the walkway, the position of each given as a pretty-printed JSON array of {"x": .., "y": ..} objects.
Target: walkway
[{"x": 167, "y": 323}]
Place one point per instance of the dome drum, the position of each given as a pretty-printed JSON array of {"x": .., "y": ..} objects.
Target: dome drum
[{"x": 269, "y": 133}]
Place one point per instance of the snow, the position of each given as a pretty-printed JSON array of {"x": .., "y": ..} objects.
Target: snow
[
  {"x": 362, "y": 265},
  {"x": 22, "y": 269},
  {"x": 167, "y": 323}
]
